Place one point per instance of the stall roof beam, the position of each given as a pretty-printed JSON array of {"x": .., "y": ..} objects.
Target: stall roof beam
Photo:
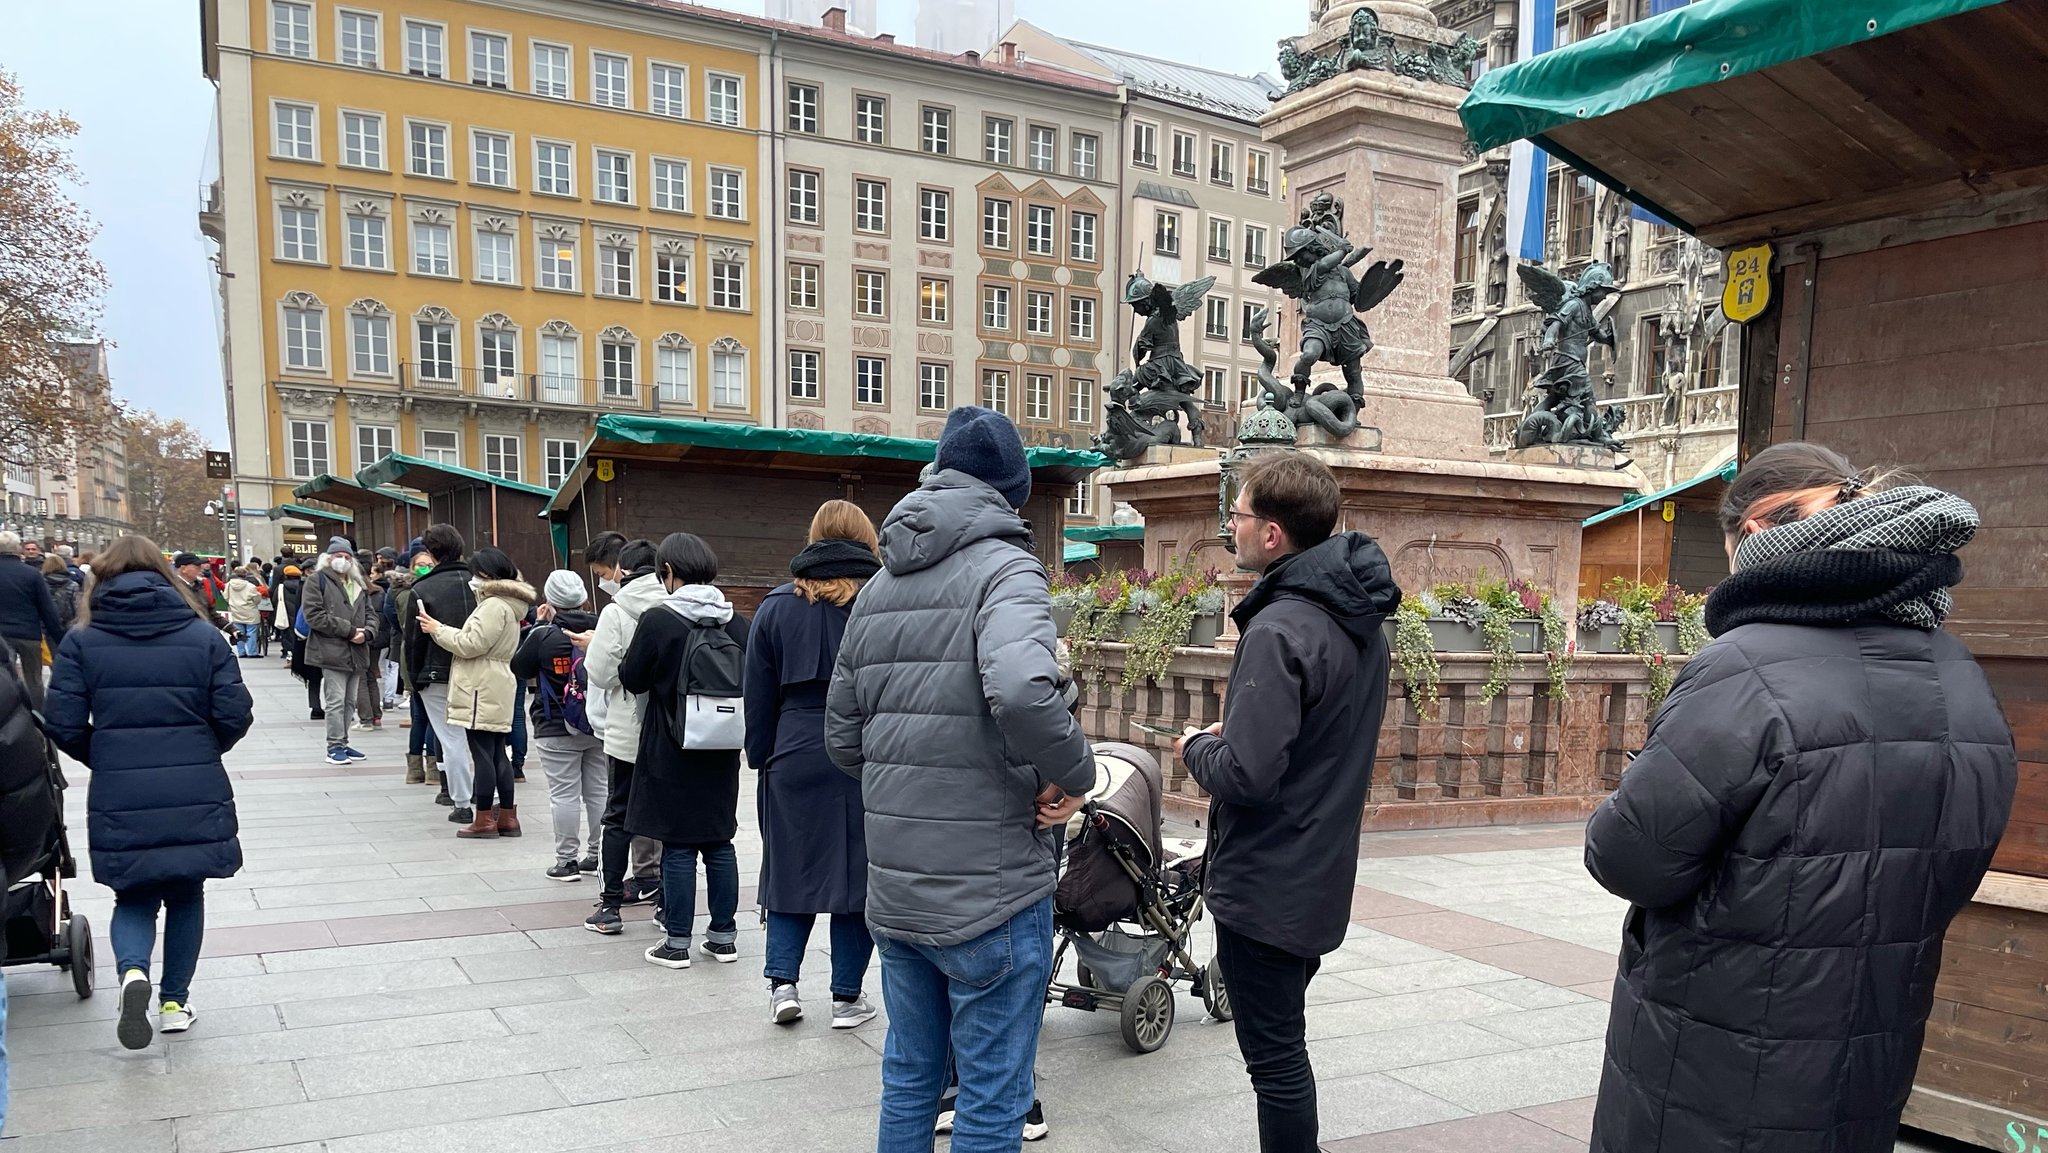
[
  {"x": 1724, "y": 474},
  {"x": 331, "y": 515},
  {"x": 431, "y": 476},
  {"x": 343, "y": 491},
  {"x": 1097, "y": 533}
]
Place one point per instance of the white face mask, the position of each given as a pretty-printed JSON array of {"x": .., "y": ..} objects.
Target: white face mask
[
  {"x": 476, "y": 584},
  {"x": 338, "y": 563},
  {"x": 610, "y": 586}
]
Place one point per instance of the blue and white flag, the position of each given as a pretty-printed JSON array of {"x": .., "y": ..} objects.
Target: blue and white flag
[{"x": 1528, "y": 165}]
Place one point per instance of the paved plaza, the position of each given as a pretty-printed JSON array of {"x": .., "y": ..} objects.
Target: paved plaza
[{"x": 373, "y": 985}]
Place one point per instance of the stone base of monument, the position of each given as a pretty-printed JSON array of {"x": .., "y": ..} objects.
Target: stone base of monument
[
  {"x": 1160, "y": 454},
  {"x": 1365, "y": 438},
  {"x": 1568, "y": 456}
]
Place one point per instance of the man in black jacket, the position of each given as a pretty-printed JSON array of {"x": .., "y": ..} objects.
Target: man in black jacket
[
  {"x": 28, "y": 615},
  {"x": 445, "y": 595},
  {"x": 1287, "y": 768}
]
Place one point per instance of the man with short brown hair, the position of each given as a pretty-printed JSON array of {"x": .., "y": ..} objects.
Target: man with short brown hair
[{"x": 1287, "y": 768}]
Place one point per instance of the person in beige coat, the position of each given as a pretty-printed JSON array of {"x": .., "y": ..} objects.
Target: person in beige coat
[
  {"x": 245, "y": 612},
  {"x": 481, "y": 686}
]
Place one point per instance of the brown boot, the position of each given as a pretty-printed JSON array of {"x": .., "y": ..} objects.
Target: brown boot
[
  {"x": 433, "y": 765},
  {"x": 415, "y": 770},
  {"x": 508, "y": 820},
  {"x": 485, "y": 825}
]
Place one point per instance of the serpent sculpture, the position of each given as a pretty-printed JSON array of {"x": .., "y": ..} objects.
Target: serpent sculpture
[{"x": 1327, "y": 406}]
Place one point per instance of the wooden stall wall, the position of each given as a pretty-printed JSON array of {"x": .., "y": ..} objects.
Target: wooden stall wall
[
  {"x": 1635, "y": 546},
  {"x": 514, "y": 526}
]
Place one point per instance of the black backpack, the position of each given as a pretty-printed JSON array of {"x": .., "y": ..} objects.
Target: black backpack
[{"x": 709, "y": 710}]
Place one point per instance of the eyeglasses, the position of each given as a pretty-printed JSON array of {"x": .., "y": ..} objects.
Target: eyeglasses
[{"x": 1234, "y": 516}]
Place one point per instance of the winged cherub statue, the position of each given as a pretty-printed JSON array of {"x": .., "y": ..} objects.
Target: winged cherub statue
[
  {"x": 1317, "y": 271},
  {"x": 1145, "y": 398},
  {"x": 1568, "y": 412}
]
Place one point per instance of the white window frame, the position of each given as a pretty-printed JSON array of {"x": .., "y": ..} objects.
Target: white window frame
[
  {"x": 870, "y": 206},
  {"x": 613, "y": 353},
  {"x": 606, "y": 172},
  {"x": 935, "y": 215},
  {"x": 1255, "y": 254},
  {"x": 407, "y": 26},
  {"x": 382, "y": 235},
  {"x": 375, "y": 327},
  {"x": 540, "y": 82},
  {"x": 1228, "y": 234},
  {"x": 491, "y": 372},
  {"x": 309, "y": 126},
  {"x": 998, "y": 148},
  {"x": 1038, "y": 396},
  {"x": 664, "y": 267},
  {"x": 663, "y": 193},
  {"x": 668, "y": 89},
  {"x": 870, "y": 118},
  {"x": 934, "y": 385},
  {"x": 1041, "y": 230},
  {"x": 477, "y": 153},
  {"x": 995, "y": 389},
  {"x": 871, "y": 381},
  {"x": 421, "y": 361},
  {"x": 1143, "y": 132},
  {"x": 412, "y": 152},
  {"x": 713, "y": 114},
  {"x": 801, "y": 116},
  {"x": 298, "y": 228},
  {"x": 495, "y": 447},
  {"x": 1260, "y": 161},
  {"x": 611, "y": 95},
  {"x": 423, "y": 257},
  {"x": 934, "y": 300},
  {"x": 553, "y": 385},
  {"x": 377, "y": 447},
  {"x": 728, "y": 377},
  {"x": 1036, "y": 135},
  {"x": 540, "y": 180},
  {"x": 805, "y": 374},
  {"x": 368, "y": 140},
  {"x": 309, "y": 455},
  {"x": 1216, "y": 308},
  {"x": 802, "y": 196},
  {"x": 991, "y": 219},
  {"x": 1084, "y": 164},
  {"x": 1082, "y": 502},
  {"x": 510, "y": 242},
  {"x": 995, "y": 307},
  {"x": 1227, "y": 152},
  {"x": 1084, "y": 244},
  {"x": 728, "y": 279},
  {"x": 871, "y": 294},
  {"x": 675, "y": 372},
  {"x": 611, "y": 259},
  {"x": 302, "y": 336},
  {"x": 1165, "y": 226},
  {"x": 1081, "y": 315},
  {"x": 558, "y": 460},
  {"x": 737, "y": 210},
  {"x": 483, "y": 77},
  {"x": 309, "y": 48},
  {"x": 448, "y": 452},
  {"x": 1038, "y": 307},
  {"x": 353, "y": 55},
  {"x": 1193, "y": 168},
  {"x": 548, "y": 257},
  {"x": 1081, "y": 402},
  {"x": 802, "y": 281},
  {"x": 934, "y": 130}
]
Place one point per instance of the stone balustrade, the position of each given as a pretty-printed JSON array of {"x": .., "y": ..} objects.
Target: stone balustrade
[{"x": 1701, "y": 410}]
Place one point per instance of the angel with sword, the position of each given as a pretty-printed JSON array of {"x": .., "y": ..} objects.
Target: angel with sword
[{"x": 1317, "y": 272}]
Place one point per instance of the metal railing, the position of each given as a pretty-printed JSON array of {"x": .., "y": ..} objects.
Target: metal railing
[{"x": 528, "y": 387}]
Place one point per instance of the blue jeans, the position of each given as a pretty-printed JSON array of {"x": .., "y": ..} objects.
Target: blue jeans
[
  {"x": 679, "y": 892},
  {"x": 985, "y": 998},
  {"x": 852, "y": 948},
  {"x": 420, "y": 739},
  {"x": 247, "y": 646},
  {"x": 132, "y": 932}
]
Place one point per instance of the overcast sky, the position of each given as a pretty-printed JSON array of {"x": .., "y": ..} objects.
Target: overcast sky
[{"x": 134, "y": 85}]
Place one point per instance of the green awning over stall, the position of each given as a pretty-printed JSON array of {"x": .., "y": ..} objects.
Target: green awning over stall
[
  {"x": 432, "y": 476},
  {"x": 1078, "y": 551},
  {"x": 335, "y": 515},
  {"x": 1724, "y": 474},
  {"x": 1097, "y": 533},
  {"x": 341, "y": 490}
]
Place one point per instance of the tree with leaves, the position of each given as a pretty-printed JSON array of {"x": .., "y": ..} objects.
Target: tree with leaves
[
  {"x": 167, "y": 483},
  {"x": 50, "y": 290}
]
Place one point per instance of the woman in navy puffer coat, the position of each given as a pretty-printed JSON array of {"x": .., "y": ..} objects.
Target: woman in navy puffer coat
[{"x": 146, "y": 693}]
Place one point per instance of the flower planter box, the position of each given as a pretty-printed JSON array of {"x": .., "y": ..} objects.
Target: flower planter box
[
  {"x": 1607, "y": 639},
  {"x": 1447, "y": 635},
  {"x": 1127, "y": 624},
  {"x": 1204, "y": 632}
]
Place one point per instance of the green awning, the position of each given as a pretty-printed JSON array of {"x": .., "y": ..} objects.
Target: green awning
[
  {"x": 342, "y": 490},
  {"x": 431, "y": 476},
  {"x": 337, "y": 516},
  {"x": 1078, "y": 551},
  {"x": 1097, "y": 533},
  {"x": 1725, "y": 473}
]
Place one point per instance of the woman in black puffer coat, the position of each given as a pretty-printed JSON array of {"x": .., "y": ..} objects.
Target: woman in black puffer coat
[{"x": 1817, "y": 799}]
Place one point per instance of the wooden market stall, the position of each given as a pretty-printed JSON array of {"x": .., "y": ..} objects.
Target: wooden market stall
[
  {"x": 384, "y": 517},
  {"x": 1877, "y": 173},
  {"x": 750, "y": 492},
  {"x": 1117, "y": 546},
  {"x": 317, "y": 523},
  {"x": 1672, "y": 535},
  {"x": 485, "y": 509}
]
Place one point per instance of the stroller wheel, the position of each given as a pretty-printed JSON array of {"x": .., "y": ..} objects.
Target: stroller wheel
[
  {"x": 78, "y": 950},
  {"x": 1215, "y": 995},
  {"x": 1147, "y": 1013}
]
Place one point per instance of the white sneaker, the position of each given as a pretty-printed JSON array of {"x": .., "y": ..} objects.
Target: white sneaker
[
  {"x": 852, "y": 1014},
  {"x": 173, "y": 1017},
  {"x": 133, "y": 1028},
  {"x": 783, "y": 1006}
]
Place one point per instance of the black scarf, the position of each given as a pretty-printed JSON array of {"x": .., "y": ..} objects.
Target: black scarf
[
  {"x": 1831, "y": 587},
  {"x": 833, "y": 559}
]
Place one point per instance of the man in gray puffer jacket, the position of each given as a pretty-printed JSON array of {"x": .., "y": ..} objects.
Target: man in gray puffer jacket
[{"x": 945, "y": 703}]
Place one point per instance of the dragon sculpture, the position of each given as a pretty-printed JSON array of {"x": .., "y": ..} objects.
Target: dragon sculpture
[{"x": 1327, "y": 407}]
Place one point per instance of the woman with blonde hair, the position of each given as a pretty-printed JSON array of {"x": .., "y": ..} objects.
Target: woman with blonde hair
[{"x": 813, "y": 846}]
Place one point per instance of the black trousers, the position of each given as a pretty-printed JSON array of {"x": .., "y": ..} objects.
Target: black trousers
[
  {"x": 616, "y": 841},
  {"x": 490, "y": 757},
  {"x": 31, "y": 653},
  {"x": 1268, "y": 996}
]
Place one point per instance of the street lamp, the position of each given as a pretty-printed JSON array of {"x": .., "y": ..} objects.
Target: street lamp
[{"x": 223, "y": 508}]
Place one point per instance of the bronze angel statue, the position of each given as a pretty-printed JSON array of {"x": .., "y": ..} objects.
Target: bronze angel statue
[
  {"x": 1568, "y": 412},
  {"x": 1317, "y": 272},
  {"x": 1145, "y": 398}
]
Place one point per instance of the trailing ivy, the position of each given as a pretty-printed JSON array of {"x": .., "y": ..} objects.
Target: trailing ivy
[{"x": 1415, "y": 652}]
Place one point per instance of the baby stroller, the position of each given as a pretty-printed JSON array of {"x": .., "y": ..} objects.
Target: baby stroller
[
  {"x": 1127, "y": 906},
  {"x": 36, "y": 923}
]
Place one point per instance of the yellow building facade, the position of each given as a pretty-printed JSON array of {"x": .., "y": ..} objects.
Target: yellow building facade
[{"x": 462, "y": 230}]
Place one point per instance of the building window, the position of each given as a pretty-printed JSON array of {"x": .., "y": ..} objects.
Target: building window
[
  {"x": 367, "y": 246},
  {"x": 1184, "y": 155},
  {"x": 1255, "y": 246},
  {"x": 870, "y": 206},
  {"x": 803, "y": 286},
  {"x": 936, "y": 135},
  {"x": 934, "y": 383},
  {"x": 1037, "y": 397},
  {"x": 803, "y": 109},
  {"x": 1144, "y": 144},
  {"x": 1166, "y": 233},
  {"x": 934, "y": 214},
  {"x": 490, "y": 60},
  {"x": 499, "y": 363},
  {"x": 1081, "y": 318},
  {"x": 727, "y": 198},
  {"x": 803, "y": 375},
  {"x": 362, "y": 35},
  {"x": 995, "y": 308},
  {"x": 309, "y": 449},
  {"x": 1082, "y": 502},
  {"x": 293, "y": 137},
  {"x": 611, "y": 80},
  {"x": 1213, "y": 380},
  {"x": 1040, "y": 222},
  {"x": 1467, "y": 264},
  {"x": 291, "y": 29},
  {"x": 374, "y": 442},
  {"x": 1222, "y": 163},
  {"x": 554, "y": 168},
  {"x": 560, "y": 459},
  {"x": 298, "y": 233},
  {"x": 1572, "y": 195},
  {"x": 1045, "y": 147},
  {"x": 1081, "y": 403},
  {"x": 305, "y": 338},
  {"x": 615, "y": 271},
  {"x": 432, "y": 249},
  {"x": 1219, "y": 238},
  {"x": 870, "y": 380},
  {"x": 435, "y": 358},
  {"x": 1216, "y": 318},
  {"x": 558, "y": 263},
  {"x": 668, "y": 90},
  {"x": 1258, "y": 172},
  {"x": 1081, "y": 233},
  {"x": 1247, "y": 321},
  {"x": 551, "y": 70},
  {"x": 1085, "y": 149},
  {"x": 495, "y": 261},
  {"x": 995, "y": 224},
  {"x": 1038, "y": 314},
  {"x": 501, "y": 456},
  {"x": 441, "y": 446},
  {"x": 870, "y": 294},
  {"x": 675, "y": 373},
  {"x": 870, "y": 119},
  {"x": 1658, "y": 357},
  {"x": 491, "y": 158},
  {"x": 614, "y": 177},
  {"x": 559, "y": 365},
  {"x": 995, "y": 139},
  {"x": 995, "y": 390},
  {"x": 728, "y": 285},
  {"x": 616, "y": 369},
  {"x": 672, "y": 185},
  {"x": 934, "y": 305},
  {"x": 1248, "y": 385},
  {"x": 426, "y": 50},
  {"x": 728, "y": 378},
  {"x": 427, "y": 153},
  {"x": 672, "y": 277},
  {"x": 722, "y": 99}
]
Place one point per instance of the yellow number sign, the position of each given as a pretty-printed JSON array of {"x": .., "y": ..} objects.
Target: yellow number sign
[
  {"x": 605, "y": 469},
  {"x": 1748, "y": 281}
]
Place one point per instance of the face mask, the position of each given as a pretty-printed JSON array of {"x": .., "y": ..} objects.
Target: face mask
[
  {"x": 476, "y": 584},
  {"x": 610, "y": 586},
  {"x": 422, "y": 569},
  {"x": 338, "y": 563}
]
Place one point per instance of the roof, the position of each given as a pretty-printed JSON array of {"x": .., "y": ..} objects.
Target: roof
[
  {"x": 347, "y": 493},
  {"x": 430, "y": 476},
  {"x": 1723, "y": 474},
  {"x": 627, "y": 434},
  {"x": 1244, "y": 98},
  {"x": 1097, "y": 533},
  {"x": 1751, "y": 119},
  {"x": 336, "y": 515},
  {"x": 1076, "y": 551},
  {"x": 1165, "y": 194}
]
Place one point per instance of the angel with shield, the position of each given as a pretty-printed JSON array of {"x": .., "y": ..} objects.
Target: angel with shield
[
  {"x": 1317, "y": 272},
  {"x": 1573, "y": 322}
]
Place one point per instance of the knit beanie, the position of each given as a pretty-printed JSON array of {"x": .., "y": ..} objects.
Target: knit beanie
[
  {"x": 339, "y": 545},
  {"x": 565, "y": 589},
  {"x": 984, "y": 444},
  {"x": 414, "y": 547}
]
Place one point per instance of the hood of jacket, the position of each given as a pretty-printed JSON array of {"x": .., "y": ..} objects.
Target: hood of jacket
[
  {"x": 509, "y": 589},
  {"x": 700, "y": 604},
  {"x": 402, "y": 579},
  {"x": 574, "y": 620},
  {"x": 638, "y": 595},
  {"x": 240, "y": 584},
  {"x": 140, "y": 605},
  {"x": 947, "y": 513},
  {"x": 1347, "y": 576}
]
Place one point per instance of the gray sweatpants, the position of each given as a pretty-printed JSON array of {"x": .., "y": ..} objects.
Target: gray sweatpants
[
  {"x": 338, "y": 700},
  {"x": 455, "y": 770},
  {"x": 577, "y": 775}
]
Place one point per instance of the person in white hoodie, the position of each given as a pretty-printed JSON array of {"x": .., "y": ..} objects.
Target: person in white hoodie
[{"x": 615, "y": 716}]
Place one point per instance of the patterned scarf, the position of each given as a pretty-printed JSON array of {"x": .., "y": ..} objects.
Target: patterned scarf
[{"x": 1915, "y": 520}]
